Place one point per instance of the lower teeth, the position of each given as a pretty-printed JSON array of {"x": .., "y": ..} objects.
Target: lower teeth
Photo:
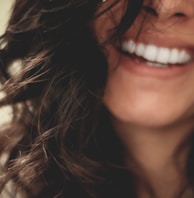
[
  {"x": 149, "y": 63},
  {"x": 152, "y": 64}
]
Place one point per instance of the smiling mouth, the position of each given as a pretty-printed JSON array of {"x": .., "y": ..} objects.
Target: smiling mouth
[{"x": 155, "y": 56}]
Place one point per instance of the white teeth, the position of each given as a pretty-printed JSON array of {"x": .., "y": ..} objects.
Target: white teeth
[
  {"x": 132, "y": 46},
  {"x": 174, "y": 56},
  {"x": 162, "y": 55},
  {"x": 129, "y": 46},
  {"x": 184, "y": 57},
  {"x": 156, "y": 54},
  {"x": 139, "y": 50},
  {"x": 150, "y": 53}
]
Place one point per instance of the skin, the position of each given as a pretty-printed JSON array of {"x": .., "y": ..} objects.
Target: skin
[{"x": 152, "y": 115}]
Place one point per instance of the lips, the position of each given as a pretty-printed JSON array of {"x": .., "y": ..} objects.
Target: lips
[{"x": 157, "y": 56}]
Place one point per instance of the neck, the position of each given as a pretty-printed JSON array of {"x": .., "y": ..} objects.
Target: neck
[{"x": 159, "y": 157}]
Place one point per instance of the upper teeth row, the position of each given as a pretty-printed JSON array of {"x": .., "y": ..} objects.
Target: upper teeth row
[{"x": 156, "y": 54}]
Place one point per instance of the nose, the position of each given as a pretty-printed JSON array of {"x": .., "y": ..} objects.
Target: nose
[{"x": 170, "y": 9}]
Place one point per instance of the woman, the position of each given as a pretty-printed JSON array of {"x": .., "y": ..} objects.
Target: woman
[{"x": 103, "y": 102}]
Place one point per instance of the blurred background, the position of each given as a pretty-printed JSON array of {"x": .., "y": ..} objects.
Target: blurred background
[
  {"x": 5, "y": 10},
  {"x": 5, "y": 6}
]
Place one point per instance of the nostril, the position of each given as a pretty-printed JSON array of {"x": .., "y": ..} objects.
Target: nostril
[
  {"x": 150, "y": 10},
  {"x": 179, "y": 14}
]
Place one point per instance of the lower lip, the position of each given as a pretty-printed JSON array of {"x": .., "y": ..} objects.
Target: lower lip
[{"x": 141, "y": 68}]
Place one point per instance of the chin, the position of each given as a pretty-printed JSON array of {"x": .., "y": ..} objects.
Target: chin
[{"x": 150, "y": 116}]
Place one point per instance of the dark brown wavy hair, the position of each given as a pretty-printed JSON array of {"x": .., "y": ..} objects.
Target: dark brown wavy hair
[{"x": 59, "y": 140}]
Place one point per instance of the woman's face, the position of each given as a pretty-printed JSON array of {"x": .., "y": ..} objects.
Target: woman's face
[{"x": 153, "y": 87}]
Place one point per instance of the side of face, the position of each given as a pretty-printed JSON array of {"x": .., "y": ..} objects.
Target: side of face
[{"x": 135, "y": 92}]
